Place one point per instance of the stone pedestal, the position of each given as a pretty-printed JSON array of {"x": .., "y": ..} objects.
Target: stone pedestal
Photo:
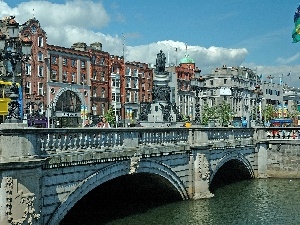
[
  {"x": 17, "y": 143},
  {"x": 156, "y": 115}
]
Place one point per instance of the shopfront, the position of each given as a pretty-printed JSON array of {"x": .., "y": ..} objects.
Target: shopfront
[
  {"x": 68, "y": 110},
  {"x": 67, "y": 119}
]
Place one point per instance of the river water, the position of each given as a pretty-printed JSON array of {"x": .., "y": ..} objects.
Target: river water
[{"x": 256, "y": 201}]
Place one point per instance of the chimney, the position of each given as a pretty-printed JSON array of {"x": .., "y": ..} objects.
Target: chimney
[{"x": 81, "y": 46}]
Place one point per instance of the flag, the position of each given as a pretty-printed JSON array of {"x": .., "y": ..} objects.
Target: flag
[
  {"x": 260, "y": 76},
  {"x": 289, "y": 73},
  {"x": 296, "y": 31},
  {"x": 297, "y": 14}
]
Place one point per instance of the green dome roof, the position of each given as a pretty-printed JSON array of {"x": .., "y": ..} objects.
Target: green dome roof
[{"x": 187, "y": 59}]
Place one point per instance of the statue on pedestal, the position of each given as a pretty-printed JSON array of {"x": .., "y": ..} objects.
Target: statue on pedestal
[{"x": 160, "y": 62}]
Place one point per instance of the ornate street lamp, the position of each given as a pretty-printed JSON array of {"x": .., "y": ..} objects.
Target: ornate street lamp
[{"x": 13, "y": 52}]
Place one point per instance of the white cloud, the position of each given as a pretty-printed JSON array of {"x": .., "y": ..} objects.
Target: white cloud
[
  {"x": 82, "y": 20},
  {"x": 79, "y": 13},
  {"x": 289, "y": 59},
  {"x": 206, "y": 58}
]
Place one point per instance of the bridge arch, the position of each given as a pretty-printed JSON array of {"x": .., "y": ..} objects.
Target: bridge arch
[
  {"x": 111, "y": 172},
  {"x": 232, "y": 156},
  {"x": 163, "y": 170}
]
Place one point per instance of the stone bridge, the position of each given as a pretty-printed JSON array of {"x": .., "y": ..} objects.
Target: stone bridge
[{"x": 45, "y": 172}]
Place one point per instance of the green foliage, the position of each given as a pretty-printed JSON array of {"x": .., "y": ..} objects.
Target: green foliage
[
  {"x": 185, "y": 118},
  {"x": 269, "y": 112},
  {"x": 293, "y": 113},
  {"x": 208, "y": 113},
  {"x": 110, "y": 116},
  {"x": 222, "y": 112}
]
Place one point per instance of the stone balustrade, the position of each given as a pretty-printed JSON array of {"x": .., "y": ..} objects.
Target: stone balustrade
[
  {"x": 222, "y": 137},
  {"x": 278, "y": 133},
  {"x": 23, "y": 142},
  {"x": 36, "y": 142}
]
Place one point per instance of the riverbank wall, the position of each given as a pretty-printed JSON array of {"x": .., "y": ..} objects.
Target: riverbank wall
[{"x": 283, "y": 160}]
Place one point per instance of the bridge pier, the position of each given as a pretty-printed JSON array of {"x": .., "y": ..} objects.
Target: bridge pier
[
  {"x": 21, "y": 194},
  {"x": 20, "y": 174},
  {"x": 262, "y": 160},
  {"x": 201, "y": 177}
]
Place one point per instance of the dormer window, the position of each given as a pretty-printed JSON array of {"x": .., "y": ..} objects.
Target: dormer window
[{"x": 33, "y": 29}]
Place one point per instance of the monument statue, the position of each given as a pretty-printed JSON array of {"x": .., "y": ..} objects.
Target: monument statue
[
  {"x": 160, "y": 112},
  {"x": 160, "y": 62}
]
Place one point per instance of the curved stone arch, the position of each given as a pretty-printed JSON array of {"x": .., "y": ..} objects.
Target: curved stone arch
[
  {"x": 231, "y": 156},
  {"x": 163, "y": 170},
  {"x": 109, "y": 173},
  {"x": 62, "y": 90},
  {"x": 85, "y": 186}
]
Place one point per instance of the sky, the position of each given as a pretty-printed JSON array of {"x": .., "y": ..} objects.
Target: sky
[{"x": 253, "y": 33}]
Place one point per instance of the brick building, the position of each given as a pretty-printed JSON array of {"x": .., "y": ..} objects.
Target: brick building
[
  {"x": 34, "y": 76},
  {"x": 185, "y": 73}
]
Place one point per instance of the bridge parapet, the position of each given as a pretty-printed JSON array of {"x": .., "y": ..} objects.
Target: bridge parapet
[
  {"x": 277, "y": 133},
  {"x": 41, "y": 143},
  {"x": 222, "y": 137}
]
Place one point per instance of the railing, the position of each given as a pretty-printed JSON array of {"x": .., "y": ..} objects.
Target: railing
[
  {"x": 280, "y": 133},
  {"x": 23, "y": 143},
  {"x": 220, "y": 137},
  {"x": 57, "y": 140}
]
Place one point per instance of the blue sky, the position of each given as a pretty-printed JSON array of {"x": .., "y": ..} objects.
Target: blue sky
[{"x": 251, "y": 33}]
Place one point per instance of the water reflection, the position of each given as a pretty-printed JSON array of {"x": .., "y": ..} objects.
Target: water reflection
[{"x": 267, "y": 201}]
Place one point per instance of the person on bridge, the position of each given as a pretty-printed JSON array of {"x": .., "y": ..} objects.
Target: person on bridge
[
  {"x": 244, "y": 122},
  {"x": 103, "y": 123}
]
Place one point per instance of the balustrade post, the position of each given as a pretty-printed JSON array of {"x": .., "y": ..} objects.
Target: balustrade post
[
  {"x": 200, "y": 137},
  {"x": 201, "y": 177},
  {"x": 131, "y": 139},
  {"x": 18, "y": 143}
]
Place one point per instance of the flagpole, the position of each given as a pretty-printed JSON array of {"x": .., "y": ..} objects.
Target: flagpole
[
  {"x": 282, "y": 105},
  {"x": 176, "y": 56}
]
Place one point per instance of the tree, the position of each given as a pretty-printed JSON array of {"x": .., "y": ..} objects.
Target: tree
[
  {"x": 110, "y": 116},
  {"x": 221, "y": 112},
  {"x": 293, "y": 114},
  {"x": 268, "y": 112},
  {"x": 224, "y": 113},
  {"x": 208, "y": 113}
]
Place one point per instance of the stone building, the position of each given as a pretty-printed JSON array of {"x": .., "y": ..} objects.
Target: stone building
[{"x": 237, "y": 86}]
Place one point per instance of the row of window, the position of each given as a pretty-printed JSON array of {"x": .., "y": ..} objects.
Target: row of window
[
  {"x": 116, "y": 96},
  {"x": 28, "y": 70},
  {"x": 28, "y": 89},
  {"x": 65, "y": 61},
  {"x": 272, "y": 92},
  {"x": 136, "y": 73},
  {"x": 65, "y": 76}
]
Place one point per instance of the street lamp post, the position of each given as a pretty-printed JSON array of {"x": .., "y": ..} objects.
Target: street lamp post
[
  {"x": 13, "y": 50},
  {"x": 84, "y": 103}
]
